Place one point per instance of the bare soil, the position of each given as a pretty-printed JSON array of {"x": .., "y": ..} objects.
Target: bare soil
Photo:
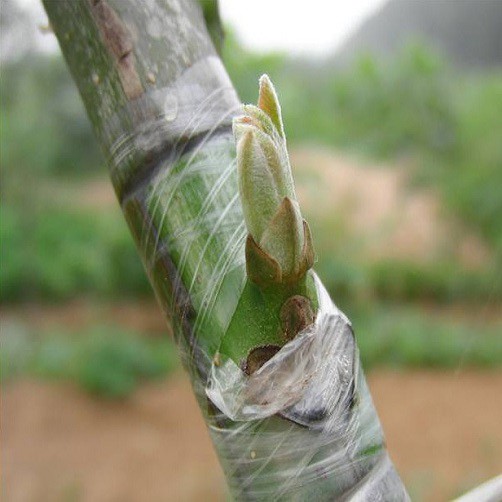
[
  {"x": 443, "y": 432},
  {"x": 380, "y": 207}
]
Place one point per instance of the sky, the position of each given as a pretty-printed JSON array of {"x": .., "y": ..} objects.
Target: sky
[{"x": 298, "y": 27}]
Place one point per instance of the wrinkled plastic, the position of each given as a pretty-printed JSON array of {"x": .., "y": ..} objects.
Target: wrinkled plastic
[
  {"x": 311, "y": 376},
  {"x": 303, "y": 427}
]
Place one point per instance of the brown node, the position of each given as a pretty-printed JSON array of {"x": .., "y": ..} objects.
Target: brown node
[
  {"x": 296, "y": 314},
  {"x": 258, "y": 356}
]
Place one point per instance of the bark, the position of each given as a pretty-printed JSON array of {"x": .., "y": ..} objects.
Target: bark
[{"x": 157, "y": 95}]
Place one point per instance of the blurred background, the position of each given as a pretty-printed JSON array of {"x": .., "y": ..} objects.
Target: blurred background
[{"x": 393, "y": 112}]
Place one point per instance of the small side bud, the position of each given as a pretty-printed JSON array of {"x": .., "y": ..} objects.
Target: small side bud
[
  {"x": 296, "y": 314},
  {"x": 258, "y": 357},
  {"x": 308, "y": 254}
]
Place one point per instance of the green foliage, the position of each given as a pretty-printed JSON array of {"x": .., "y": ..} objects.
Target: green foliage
[
  {"x": 59, "y": 254},
  {"x": 440, "y": 282},
  {"x": 394, "y": 109},
  {"x": 44, "y": 126},
  {"x": 402, "y": 281},
  {"x": 471, "y": 178},
  {"x": 49, "y": 251},
  {"x": 111, "y": 365},
  {"x": 104, "y": 361},
  {"x": 409, "y": 337},
  {"x": 382, "y": 109}
]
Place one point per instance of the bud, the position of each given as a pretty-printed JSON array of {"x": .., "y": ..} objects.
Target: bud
[{"x": 279, "y": 246}]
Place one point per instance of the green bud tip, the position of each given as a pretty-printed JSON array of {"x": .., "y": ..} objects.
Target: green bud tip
[{"x": 279, "y": 246}]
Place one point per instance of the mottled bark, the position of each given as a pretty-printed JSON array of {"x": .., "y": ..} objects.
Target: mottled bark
[{"x": 157, "y": 94}]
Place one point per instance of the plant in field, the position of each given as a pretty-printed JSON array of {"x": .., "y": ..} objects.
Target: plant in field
[{"x": 273, "y": 362}]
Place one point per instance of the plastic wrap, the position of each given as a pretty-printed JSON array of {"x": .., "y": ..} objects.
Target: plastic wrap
[{"x": 302, "y": 427}]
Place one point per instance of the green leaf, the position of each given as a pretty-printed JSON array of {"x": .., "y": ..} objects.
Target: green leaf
[
  {"x": 258, "y": 190},
  {"x": 269, "y": 103},
  {"x": 283, "y": 239}
]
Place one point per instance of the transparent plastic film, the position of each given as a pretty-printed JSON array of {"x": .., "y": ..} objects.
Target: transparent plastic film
[
  {"x": 303, "y": 425},
  {"x": 314, "y": 373}
]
